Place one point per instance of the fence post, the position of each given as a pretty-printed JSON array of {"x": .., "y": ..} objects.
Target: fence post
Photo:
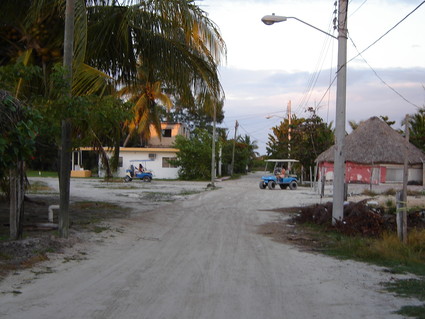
[{"x": 401, "y": 217}]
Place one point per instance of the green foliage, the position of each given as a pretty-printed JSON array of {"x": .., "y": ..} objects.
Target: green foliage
[
  {"x": 409, "y": 288},
  {"x": 194, "y": 156},
  {"x": 11, "y": 75},
  {"x": 309, "y": 137},
  {"x": 17, "y": 132},
  {"x": 96, "y": 120},
  {"x": 386, "y": 251},
  {"x": 417, "y": 312},
  {"x": 177, "y": 44},
  {"x": 417, "y": 129},
  {"x": 244, "y": 154}
]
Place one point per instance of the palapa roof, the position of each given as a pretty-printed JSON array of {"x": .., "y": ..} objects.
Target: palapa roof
[{"x": 374, "y": 141}]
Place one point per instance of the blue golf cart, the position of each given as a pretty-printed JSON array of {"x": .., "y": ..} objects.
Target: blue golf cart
[
  {"x": 137, "y": 170},
  {"x": 280, "y": 175}
]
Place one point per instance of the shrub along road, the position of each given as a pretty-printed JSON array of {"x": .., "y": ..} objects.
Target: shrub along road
[{"x": 197, "y": 257}]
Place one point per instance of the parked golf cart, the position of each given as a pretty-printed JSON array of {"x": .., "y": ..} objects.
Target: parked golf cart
[
  {"x": 281, "y": 175},
  {"x": 138, "y": 170}
]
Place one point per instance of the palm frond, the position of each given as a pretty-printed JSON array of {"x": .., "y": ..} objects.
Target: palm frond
[{"x": 88, "y": 80}]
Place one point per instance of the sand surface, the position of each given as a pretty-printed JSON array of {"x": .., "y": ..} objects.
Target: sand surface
[{"x": 198, "y": 256}]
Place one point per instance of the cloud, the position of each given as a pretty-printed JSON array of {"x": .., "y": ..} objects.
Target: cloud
[{"x": 252, "y": 95}]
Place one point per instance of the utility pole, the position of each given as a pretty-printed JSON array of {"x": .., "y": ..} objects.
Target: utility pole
[
  {"x": 233, "y": 152},
  {"x": 65, "y": 158},
  {"x": 289, "y": 112},
  {"x": 341, "y": 93},
  {"x": 402, "y": 207},
  {"x": 213, "y": 145}
]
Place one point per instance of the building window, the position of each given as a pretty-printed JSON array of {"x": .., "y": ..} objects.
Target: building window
[
  {"x": 166, "y": 132},
  {"x": 120, "y": 161},
  {"x": 166, "y": 162}
]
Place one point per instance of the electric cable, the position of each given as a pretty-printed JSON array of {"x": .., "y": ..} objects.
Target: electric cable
[
  {"x": 382, "y": 80},
  {"x": 305, "y": 99},
  {"x": 361, "y": 5},
  {"x": 380, "y": 38}
]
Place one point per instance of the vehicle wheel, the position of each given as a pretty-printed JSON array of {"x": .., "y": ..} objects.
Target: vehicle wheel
[
  {"x": 147, "y": 179},
  {"x": 283, "y": 186},
  {"x": 262, "y": 185},
  {"x": 271, "y": 185},
  {"x": 127, "y": 179},
  {"x": 293, "y": 185}
]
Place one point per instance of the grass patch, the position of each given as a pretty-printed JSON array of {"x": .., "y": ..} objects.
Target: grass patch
[
  {"x": 158, "y": 197},
  {"x": 99, "y": 229},
  {"x": 39, "y": 187},
  {"x": 41, "y": 174},
  {"x": 368, "y": 192},
  {"x": 4, "y": 256},
  {"x": 84, "y": 205},
  {"x": 412, "y": 311},
  {"x": 408, "y": 288},
  {"x": 386, "y": 251},
  {"x": 189, "y": 192}
]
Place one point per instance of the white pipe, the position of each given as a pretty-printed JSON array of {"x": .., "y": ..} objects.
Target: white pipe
[{"x": 51, "y": 208}]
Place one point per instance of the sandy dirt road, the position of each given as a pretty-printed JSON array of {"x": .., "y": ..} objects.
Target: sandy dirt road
[{"x": 198, "y": 258}]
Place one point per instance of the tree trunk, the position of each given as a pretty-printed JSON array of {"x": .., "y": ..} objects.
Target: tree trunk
[
  {"x": 65, "y": 179},
  {"x": 17, "y": 194},
  {"x": 65, "y": 169}
]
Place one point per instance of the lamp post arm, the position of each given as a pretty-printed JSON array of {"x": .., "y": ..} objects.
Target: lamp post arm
[{"x": 313, "y": 27}]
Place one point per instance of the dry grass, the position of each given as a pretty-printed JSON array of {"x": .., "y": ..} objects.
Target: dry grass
[{"x": 389, "y": 247}]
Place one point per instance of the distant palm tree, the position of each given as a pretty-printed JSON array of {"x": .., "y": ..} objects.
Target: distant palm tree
[
  {"x": 354, "y": 124},
  {"x": 417, "y": 129},
  {"x": 252, "y": 145},
  {"x": 144, "y": 96}
]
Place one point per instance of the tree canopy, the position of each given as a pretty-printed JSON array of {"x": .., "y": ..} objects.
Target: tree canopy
[
  {"x": 158, "y": 53},
  {"x": 308, "y": 138}
]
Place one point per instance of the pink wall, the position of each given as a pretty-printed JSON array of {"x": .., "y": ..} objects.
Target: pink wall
[{"x": 356, "y": 173}]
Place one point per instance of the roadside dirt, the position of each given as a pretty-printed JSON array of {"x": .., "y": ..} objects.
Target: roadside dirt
[
  {"x": 186, "y": 252},
  {"x": 90, "y": 218},
  {"x": 40, "y": 237},
  {"x": 286, "y": 230}
]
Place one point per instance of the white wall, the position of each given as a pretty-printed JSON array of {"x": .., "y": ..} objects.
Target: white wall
[{"x": 130, "y": 156}]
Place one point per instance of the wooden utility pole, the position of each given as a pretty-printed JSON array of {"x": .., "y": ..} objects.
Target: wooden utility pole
[
  {"x": 289, "y": 112},
  {"x": 233, "y": 151},
  {"x": 65, "y": 160},
  {"x": 17, "y": 193},
  {"x": 213, "y": 144},
  {"x": 402, "y": 205}
]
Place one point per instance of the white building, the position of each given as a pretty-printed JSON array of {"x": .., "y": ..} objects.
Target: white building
[
  {"x": 155, "y": 160},
  {"x": 156, "y": 157}
]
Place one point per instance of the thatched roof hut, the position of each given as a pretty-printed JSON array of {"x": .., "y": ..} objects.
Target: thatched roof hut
[{"x": 374, "y": 141}]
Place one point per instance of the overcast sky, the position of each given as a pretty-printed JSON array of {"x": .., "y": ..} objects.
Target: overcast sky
[{"x": 268, "y": 66}]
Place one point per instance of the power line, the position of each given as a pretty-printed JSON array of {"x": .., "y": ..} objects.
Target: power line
[
  {"x": 360, "y": 54},
  {"x": 396, "y": 25},
  {"x": 358, "y": 8},
  {"x": 301, "y": 105},
  {"x": 382, "y": 80}
]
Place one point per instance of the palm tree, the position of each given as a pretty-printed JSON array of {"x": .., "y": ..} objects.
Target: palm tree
[
  {"x": 417, "y": 129},
  {"x": 144, "y": 96},
  {"x": 174, "y": 40},
  {"x": 177, "y": 45}
]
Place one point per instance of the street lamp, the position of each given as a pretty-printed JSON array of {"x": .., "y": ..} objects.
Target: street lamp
[
  {"x": 341, "y": 93},
  {"x": 272, "y": 19}
]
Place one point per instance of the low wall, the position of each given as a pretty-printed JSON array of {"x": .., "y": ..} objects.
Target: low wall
[{"x": 81, "y": 173}]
